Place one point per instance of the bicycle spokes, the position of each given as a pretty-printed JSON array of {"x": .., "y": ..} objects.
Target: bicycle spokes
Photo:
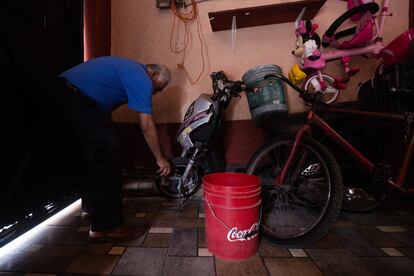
[{"x": 296, "y": 206}]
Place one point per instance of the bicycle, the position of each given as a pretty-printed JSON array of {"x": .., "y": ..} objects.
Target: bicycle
[
  {"x": 367, "y": 39},
  {"x": 301, "y": 180}
]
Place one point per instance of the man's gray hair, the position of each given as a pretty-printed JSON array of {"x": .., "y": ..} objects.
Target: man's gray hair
[{"x": 164, "y": 75}]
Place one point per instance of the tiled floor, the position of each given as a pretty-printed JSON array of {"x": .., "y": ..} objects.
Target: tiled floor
[{"x": 376, "y": 243}]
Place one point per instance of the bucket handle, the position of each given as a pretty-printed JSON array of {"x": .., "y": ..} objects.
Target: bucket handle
[{"x": 248, "y": 235}]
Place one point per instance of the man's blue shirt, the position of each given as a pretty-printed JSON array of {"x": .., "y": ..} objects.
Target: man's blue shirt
[{"x": 112, "y": 81}]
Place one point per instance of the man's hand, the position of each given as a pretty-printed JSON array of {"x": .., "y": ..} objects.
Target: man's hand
[
  {"x": 151, "y": 137},
  {"x": 165, "y": 167}
]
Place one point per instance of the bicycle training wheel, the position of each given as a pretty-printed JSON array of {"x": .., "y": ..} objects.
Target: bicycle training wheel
[
  {"x": 329, "y": 95},
  {"x": 301, "y": 209}
]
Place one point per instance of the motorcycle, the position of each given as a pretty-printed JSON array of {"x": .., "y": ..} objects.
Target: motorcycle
[{"x": 198, "y": 136}]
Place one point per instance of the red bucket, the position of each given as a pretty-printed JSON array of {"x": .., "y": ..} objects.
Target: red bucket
[
  {"x": 232, "y": 207},
  {"x": 233, "y": 183}
]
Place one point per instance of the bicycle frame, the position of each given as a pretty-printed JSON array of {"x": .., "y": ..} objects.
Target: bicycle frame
[{"x": 314, "y": 120}]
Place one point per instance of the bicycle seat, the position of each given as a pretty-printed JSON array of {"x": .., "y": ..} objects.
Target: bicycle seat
[{"x": 363, "y": 32}]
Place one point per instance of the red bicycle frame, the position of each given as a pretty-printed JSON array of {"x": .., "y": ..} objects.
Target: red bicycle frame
[{"x": 314, "y": 120}]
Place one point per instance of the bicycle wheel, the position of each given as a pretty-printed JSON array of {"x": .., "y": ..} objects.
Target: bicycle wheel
[
  {"x": 168, "y": 185},
  {"x": 302, "y": 208},
  {"x": 329, "y": 95}
]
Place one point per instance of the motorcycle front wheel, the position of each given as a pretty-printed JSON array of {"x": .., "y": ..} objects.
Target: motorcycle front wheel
[
  {"x": 301, "y": 209},
  {"x": 168, "y": 185}
]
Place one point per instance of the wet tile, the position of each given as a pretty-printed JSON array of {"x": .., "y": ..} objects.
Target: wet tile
[
  {"x": 117, "y": 250},
  {"x": 189, "y": 266},
  {"x": 367, "y": 219},
  {"x": 338, "y": 262},
  {"x": 161, "y": 230},
  {"x": 50, "y": 259},
  {"x": 378, "y": 238},
  {"x": 169, "y": 204},
  {"x": 161, "y": 219},
  {"x": 403, "y": 213},
  {"x": 204, "y": 252},
  {"x": 343, "y": 221},
  {"x": 132, "y": 220},
  {"x": 402, "y": 220},
  {"x": 50, "y": 234},
  {"x": 136, "y": 242},
  {"x": 172, "y": 207},
  {"x": 391, "y": 229},
  {"x": 198, "y": 196},
  {"x": 404, "y": 237},
  {"x": 267, "y": 249},
  {"x": 73, "y": 219},
  {"x": 189, "y": 211},
  {"x": 97, "y": 248},
  {"x": 410, "y": 229},
  {"x": 157, "y": 240},
  {"x": 202, "y": 242},
  {"x": 78, "y": 238},
  {"x": 291, "y": 267},
  {"x": 392, "y": 252},
  {"x": 189, "y": 222},
  {"x": 390, "y": 266},
  {"x": 142, "y": 205},
  {"x": 13, "y": 261},
  {"x": 92, "y": 264},
  {"x": 330, "y": 240},
  {"x": 357, "y": 245},
  {"x": 252, "y": 266},
  {"x": 34, "y": 248},
  {"x": 407, "y": 251},
  {"x": 297, "y": 253},
  {"x": 184, "y": 242},
  {"x": 141, "y": 261}
]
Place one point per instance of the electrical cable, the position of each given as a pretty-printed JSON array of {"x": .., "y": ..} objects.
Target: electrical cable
[{"x": 187, "y": 18}]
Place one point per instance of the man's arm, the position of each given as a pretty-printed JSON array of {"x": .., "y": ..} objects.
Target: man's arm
[{"x": 150, "y": 134}]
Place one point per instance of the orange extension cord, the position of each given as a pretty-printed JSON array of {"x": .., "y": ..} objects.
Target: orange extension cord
[{"x": 187, "y": 18}]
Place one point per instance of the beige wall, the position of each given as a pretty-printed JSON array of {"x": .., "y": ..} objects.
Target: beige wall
[{"x": 141, "y": 31}]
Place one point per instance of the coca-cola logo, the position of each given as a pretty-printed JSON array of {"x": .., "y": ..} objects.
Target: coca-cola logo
[{"x": 240, "y": 235}]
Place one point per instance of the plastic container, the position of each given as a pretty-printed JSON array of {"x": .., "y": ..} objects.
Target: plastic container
[
  {"x": 232, "y": 207},
  {"x": 265, "y": 94}
]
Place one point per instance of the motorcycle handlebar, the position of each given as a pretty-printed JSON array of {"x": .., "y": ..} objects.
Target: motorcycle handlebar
[{"x": 236, "y": 87}]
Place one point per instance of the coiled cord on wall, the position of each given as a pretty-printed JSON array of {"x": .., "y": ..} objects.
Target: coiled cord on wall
[{"x": 187, "y": 18}]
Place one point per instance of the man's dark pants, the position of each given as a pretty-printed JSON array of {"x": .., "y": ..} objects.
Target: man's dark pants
[{"x": 101, "y": 153}]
